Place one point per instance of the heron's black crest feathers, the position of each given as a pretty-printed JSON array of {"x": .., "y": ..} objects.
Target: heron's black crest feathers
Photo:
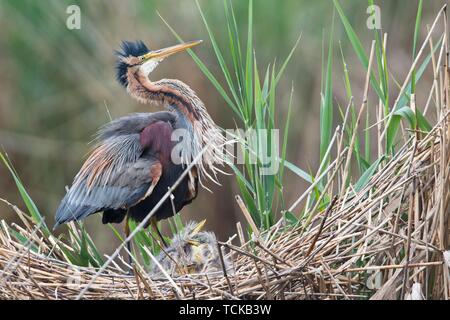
[{"x": 128, "y": 48}]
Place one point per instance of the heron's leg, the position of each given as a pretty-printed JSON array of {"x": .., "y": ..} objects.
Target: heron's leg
[
  {"x": 155, "y": 227},
  {"x": 127, "y": 233}
]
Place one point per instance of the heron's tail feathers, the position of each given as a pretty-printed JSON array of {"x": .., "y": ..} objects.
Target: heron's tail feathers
[{"x": 69, "y": 211}]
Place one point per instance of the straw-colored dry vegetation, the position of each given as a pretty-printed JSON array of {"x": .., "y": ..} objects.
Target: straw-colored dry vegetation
[
  {"x": 384, "y": 241},
  {"x": 386, "y": 236}
]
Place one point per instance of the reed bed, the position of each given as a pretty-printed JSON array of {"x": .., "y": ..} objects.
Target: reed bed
[{"x": 385, "y": 241}]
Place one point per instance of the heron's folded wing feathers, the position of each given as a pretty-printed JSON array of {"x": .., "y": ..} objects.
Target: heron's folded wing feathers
[
  {"x": 124, "y": 167},
  {"x": 114, "y": 176}
]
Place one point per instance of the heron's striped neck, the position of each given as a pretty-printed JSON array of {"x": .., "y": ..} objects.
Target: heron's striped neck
[{"x": 165, "y": 91}]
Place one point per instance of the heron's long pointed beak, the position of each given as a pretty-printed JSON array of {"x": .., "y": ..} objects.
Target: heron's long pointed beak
[{"x": 162, "y": 53}]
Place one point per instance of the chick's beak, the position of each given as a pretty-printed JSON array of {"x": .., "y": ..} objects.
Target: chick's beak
[
  {"x": 198, "y": 227},
  {"x": 163, "y": 53}
]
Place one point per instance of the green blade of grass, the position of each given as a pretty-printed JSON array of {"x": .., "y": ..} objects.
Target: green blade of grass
[
  {"x": 301, "y": 173},
  {"x": 408, "y": 114},
  {"x": 207, "y": 73},
  {"x": 286, "y": 61},
  {"x": 326, "y": 110},
  {"x": 365, "y": 177},
  {"x": 235, "y": 51},
  {"x": 367, "y": 140},
  {"x": 286, "y": 136},
  {"x": 249, "y": 59},
  {"x": 394, "y": 124},
  {"x": 29, "y": 203},
  {"x": 416, "y": 37},
  {"x": 248, "y": 200},
  {"x": 219, "y": 56},
  {"x": 358, "y": 48}
]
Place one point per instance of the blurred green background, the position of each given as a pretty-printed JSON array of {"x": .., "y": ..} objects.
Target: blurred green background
[{"x": 56, "y": 84}]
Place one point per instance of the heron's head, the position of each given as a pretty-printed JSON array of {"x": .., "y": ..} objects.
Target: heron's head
[{"x": 136, "y": 55}]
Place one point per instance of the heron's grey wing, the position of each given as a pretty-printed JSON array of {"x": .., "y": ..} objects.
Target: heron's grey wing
[
  {"x": 114, "y": 176},
  {"x": 123, "y": 169}
]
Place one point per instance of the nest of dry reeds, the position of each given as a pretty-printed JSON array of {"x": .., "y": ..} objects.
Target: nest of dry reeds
[{"x": 386, "y": 241}]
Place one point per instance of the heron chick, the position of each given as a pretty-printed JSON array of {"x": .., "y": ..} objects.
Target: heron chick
[{"x": 191, "y": 251}]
